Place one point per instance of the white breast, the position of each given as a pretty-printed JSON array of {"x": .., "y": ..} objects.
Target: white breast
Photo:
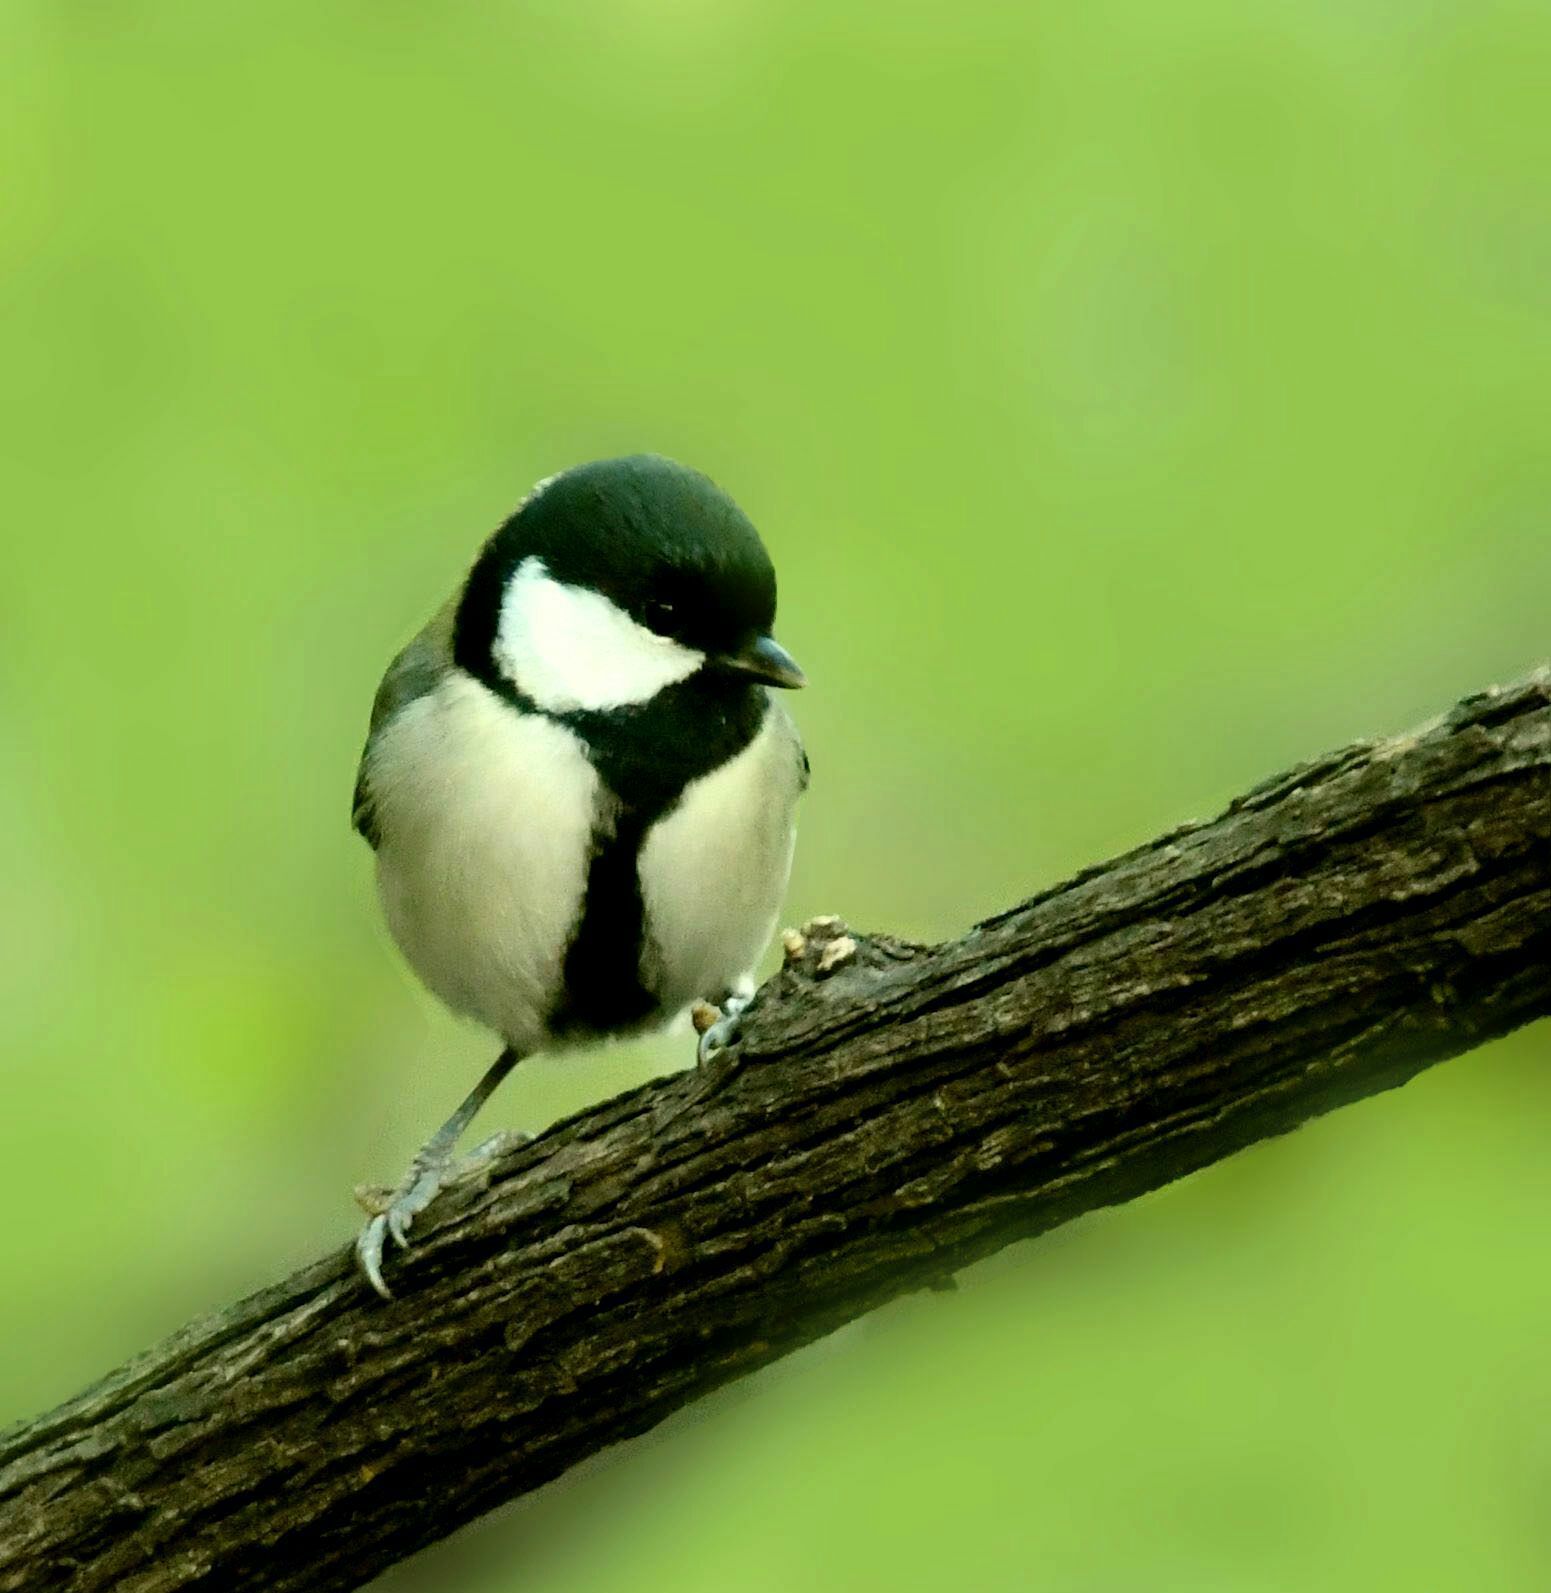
[
  {"x": 714, "y": 871},
  {"x": 486, "y": 822}
]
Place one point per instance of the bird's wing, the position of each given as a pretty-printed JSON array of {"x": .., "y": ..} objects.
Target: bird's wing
[{"x": 415, "y": 673}]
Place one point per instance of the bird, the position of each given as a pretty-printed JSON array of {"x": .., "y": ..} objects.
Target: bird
[{"x": 580, "y": 787}]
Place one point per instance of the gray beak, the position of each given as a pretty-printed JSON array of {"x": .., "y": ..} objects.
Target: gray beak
[{"x": 767, "y": 660}]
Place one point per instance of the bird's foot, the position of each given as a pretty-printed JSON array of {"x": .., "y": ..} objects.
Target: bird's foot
[
  {"x": 718, "y": 1027},
  {"x": 391, "y": 1212}
]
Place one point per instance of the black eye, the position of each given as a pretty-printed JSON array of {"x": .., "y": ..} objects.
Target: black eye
[{"x": 659, "y": 615}]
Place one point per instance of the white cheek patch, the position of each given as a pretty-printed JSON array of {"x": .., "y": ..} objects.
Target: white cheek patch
[{"x": 568, "y": 648}]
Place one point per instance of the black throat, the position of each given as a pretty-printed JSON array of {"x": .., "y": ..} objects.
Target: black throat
[{"x": 645, "y": 754}]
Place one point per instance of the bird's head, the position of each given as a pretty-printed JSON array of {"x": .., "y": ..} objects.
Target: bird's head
[{"x": 616, "y": 579}]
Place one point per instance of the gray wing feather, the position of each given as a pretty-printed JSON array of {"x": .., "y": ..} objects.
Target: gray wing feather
[{"x": 415, "y": 673}]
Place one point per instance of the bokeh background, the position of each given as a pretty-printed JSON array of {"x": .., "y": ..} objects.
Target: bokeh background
[{"x": 1136, "y": 398}]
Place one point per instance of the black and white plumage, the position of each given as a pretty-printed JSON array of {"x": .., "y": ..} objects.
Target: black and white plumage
[{"x": 579, "y": 789}]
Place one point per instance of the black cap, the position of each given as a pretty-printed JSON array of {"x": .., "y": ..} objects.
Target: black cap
[{"x": 659, "y": 540}]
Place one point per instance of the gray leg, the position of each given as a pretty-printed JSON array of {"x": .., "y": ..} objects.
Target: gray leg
[
  {"x": 431, "y": 1171},
  {"x": 725, "y": 1027}
]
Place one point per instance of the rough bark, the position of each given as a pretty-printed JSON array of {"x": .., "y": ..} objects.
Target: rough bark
[{"x": 890, "y": 1116}]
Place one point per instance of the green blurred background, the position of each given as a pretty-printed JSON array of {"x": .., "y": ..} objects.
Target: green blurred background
[{"x": 1136, "y": 398}]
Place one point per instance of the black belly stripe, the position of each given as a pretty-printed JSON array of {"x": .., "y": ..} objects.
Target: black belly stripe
[
  {"x": 645, "y": 756},
  {"x": 604, "y": 993}
]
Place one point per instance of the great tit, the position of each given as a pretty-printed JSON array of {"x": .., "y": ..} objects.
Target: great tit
[{"x": 579, "y": 789}]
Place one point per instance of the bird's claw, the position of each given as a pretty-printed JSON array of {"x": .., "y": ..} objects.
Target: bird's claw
[
  {"x": 719, "y": 1027},
  {"x": 393, "y": 1212},
  {"x": 368, "y": 1253}
]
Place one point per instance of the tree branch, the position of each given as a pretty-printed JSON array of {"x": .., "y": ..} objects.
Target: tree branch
[{"x": 891, "y": 1115}]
